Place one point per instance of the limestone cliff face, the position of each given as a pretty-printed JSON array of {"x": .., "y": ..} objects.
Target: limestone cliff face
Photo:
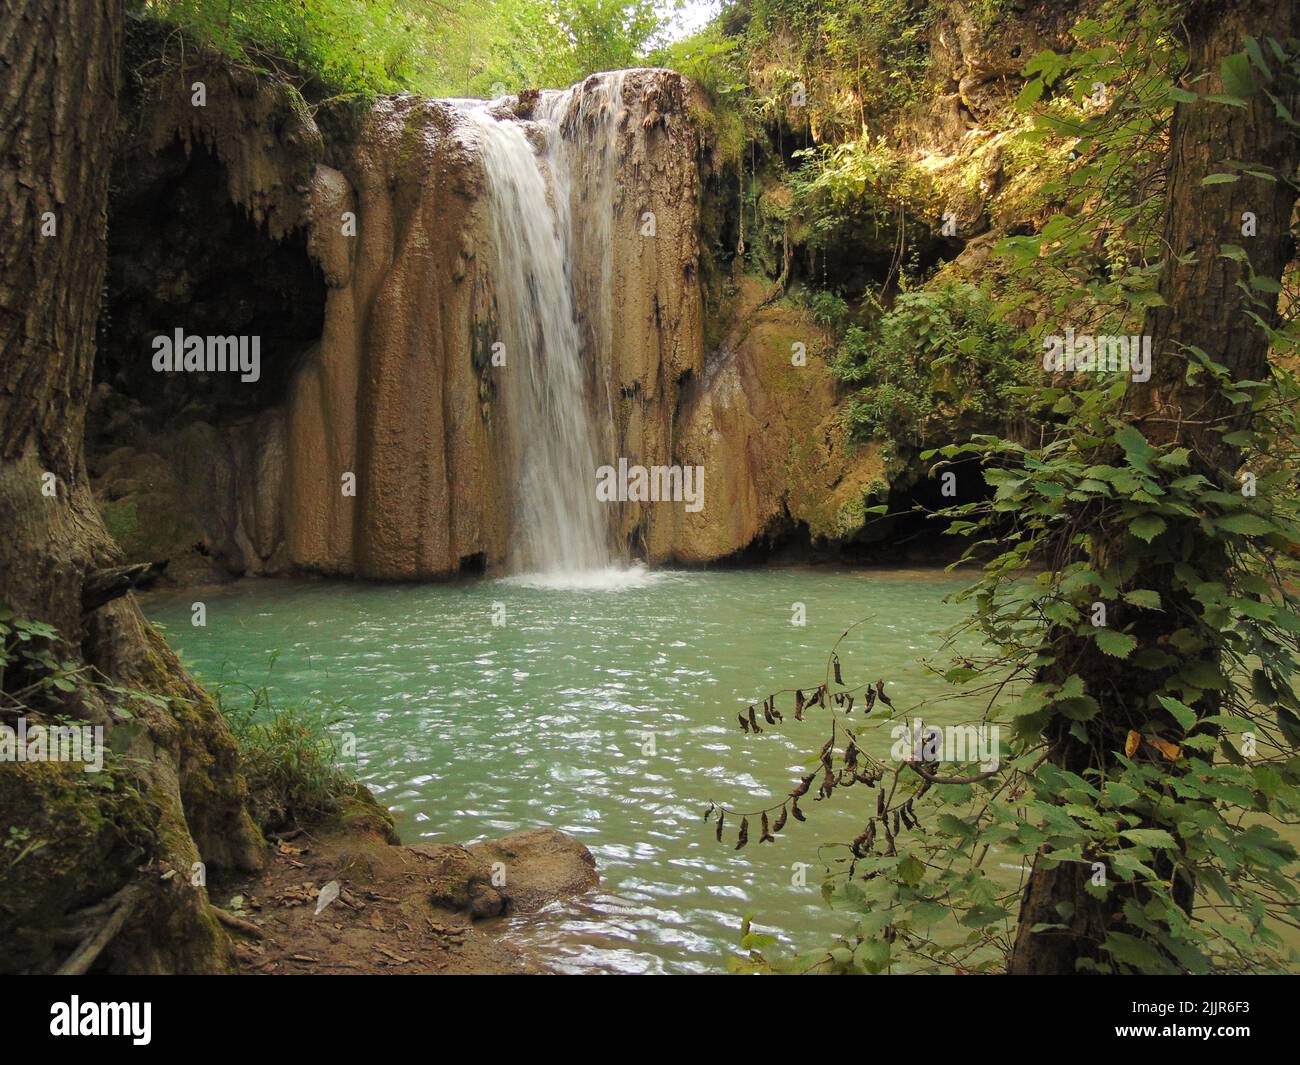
[
  {"x": 397, "y": 399},
  {"x": 402, "y": 391},
  {"x": 764, "y": 425},
  {"x": 644, "y": 314},
  {"x": 386, "y": 452}
]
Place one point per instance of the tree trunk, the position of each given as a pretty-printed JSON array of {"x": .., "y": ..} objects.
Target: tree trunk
[
  {"x": 59, "y": 78},
  {"x": 1204, "y": 307}
]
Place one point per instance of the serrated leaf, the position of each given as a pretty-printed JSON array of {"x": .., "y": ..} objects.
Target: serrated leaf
[
  {"x": 1144, "y": 598},
  {"x": 1150, "y": 837},
  {"x": 1147, "y": 526},
  {"x": 1115, "y": 644},
  {"x": 1245, "y": 524}
]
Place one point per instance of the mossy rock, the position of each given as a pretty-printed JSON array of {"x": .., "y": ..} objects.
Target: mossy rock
[
  {"x": 360, "y": 811},
  {"x": 69, "y": 838}
]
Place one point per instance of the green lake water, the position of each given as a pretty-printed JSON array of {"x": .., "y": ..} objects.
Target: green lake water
[{"x": 469, "y": 729}]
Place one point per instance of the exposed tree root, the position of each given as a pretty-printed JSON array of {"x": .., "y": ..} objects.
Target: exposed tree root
[
  {"x": 237, "y": 923},
  {"x": 123, "y": 904}
]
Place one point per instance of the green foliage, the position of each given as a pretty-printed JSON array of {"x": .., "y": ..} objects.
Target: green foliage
[
  {"x": 1185, "y": 697},
  {"x": 716, "y": 64},
  {"x": 436, "y": 47},
  {"x": 857, "y": 58},
  {"x": 858, "y": 190},
  {"x": 937, "y": 354},
  {"x": 1100, "y": 253},
  {"x": 354, "y": 46},
  {"x": 1189, "y": 796},
  {"x": 290, "y": 757},
  {"x": 38, "y": 674},
  {"x": 830, "y": 310}
]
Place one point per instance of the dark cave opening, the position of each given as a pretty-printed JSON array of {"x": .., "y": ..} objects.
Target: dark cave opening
[
  {"x": 908, "y": 534},
  {"x": 182, "y": 255}
]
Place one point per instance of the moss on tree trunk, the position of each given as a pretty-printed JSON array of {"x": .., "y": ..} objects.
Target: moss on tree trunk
[{"x": 178, "y": 796}]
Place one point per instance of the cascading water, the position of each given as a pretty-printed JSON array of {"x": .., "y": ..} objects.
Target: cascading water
[
  {"x": 559, "y": 524},
  {"x": 560, "y": 409},
  {"x": 582, "y": 155}
]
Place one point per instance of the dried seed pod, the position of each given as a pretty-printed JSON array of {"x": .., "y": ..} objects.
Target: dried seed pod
[
  {"x": 880, "y": 691},
  {"x": 835, "y": 661},
  {"x": 804, "y": 784},
  {"x": 766, "y": 836},
  {"x": 896, "y": 822},
  {"x": 850, "y": 755},
  {"x": 708, "y": 814},
  {"x": 753, "y": 720},
  {"x": 794, "y": 809},
  {"x": 849, "y": 699},
  {"x": 871, "y": 835},
  {"x": 780, "y": 821},
  {"x": 743, "y": 837},
  {"x": 860, "y": 842},
  {"x": 870, "y": 700},
  {"x": 721, "y": 819},
  {"x": 767, "y": 714},
  {"x": 880, "y": 804},
  {"x": 798, "y": 705},
  {"x": 743, "y": 723}
]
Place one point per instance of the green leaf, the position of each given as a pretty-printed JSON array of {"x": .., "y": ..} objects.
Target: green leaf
[
  {"x": 1141, "y": 955},
  {"x": 1226, "y": 98},
  {"x": 1144, "y": 598},
  {"x": 1182, "y": 713},
  {"x": 1115, "y": 644},
  {"x": 1246, "y": 524},
  {"x": 1238, "y": 79},
  {"x": 871, "y": 956},
  {"x": 1256, "y": 55},
  {"x": 1147, "y": 526},
  {"x": 911, "y": 871},
  {"x": 1220, "y": 179},
  {"x": 1150, "y": 837},
  {"x": 1030, "y": 94}
]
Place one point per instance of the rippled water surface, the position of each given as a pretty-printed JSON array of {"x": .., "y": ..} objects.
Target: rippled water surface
[{"x": 469, "y": 729}]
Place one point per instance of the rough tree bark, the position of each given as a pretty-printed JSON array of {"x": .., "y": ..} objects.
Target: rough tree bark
[
  {"x": 1203, "y": 306},
  {"x": 59, "y": 77}
]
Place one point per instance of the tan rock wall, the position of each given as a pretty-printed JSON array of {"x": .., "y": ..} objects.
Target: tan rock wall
[
  {"x": 394, "y": 396},
  {"x": 400, "y": 396},
  {"x": 767, "y": 433}
]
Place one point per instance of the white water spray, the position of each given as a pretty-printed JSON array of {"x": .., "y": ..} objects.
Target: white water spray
[{"x": 560, "y": 409}]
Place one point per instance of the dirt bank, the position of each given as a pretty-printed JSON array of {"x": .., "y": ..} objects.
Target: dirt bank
[{"x": 425, "y": 908}]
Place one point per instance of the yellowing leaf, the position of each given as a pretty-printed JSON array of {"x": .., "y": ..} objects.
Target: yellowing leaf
[
  {"x": 1170, "y": 750},
  {"x": 1131, "y": 744}
]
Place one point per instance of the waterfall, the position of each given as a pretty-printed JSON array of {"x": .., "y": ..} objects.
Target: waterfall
[
  {"x": 582, "y": 155},
  {"x": 557, "y": 393}
]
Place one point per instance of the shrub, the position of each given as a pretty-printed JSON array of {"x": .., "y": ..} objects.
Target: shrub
[
  {"x": 291, "y": 759},
  {"x": 937, "y": 353}
]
